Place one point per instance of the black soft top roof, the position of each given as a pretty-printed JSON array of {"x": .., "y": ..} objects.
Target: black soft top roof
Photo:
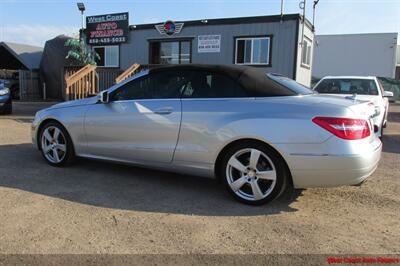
[{"x": 253, "y": 80}]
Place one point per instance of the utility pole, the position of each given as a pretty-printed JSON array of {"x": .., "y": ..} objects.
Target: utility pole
[
  {"x": 302, "y": 5},
  {"x": 313, "y": 17},
  {"x": 81, "y": 7}
]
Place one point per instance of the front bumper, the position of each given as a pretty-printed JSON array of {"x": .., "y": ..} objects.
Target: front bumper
[
  {"x": 334, "y": 170},
  {"x": 5, "y": 101}
]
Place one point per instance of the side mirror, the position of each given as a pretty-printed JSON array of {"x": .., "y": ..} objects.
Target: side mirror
[
  {"x": 102, "y": 97},
  {"x": 388, "y": 94}
]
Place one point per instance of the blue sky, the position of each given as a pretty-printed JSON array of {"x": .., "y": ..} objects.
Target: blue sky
[{"x": 35, "y": 21}]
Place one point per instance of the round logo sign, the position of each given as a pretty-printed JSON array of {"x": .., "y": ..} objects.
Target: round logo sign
[{"x": 169, "y": 27}]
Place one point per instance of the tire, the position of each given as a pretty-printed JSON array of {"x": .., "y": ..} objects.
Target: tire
[
  {"x": 56, "y": 145},
  {"x": 253, "y": 173},
  {"x": 7, "y": 109},
  {"x": 15, "y": 92}
]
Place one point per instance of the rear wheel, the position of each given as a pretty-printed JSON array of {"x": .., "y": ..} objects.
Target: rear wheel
[
  {"x": 254, "y": 173},
  {"x": 56, "y": 145}
]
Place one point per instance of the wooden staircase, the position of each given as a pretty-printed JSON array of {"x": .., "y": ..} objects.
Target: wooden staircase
[
  {"x": 81, "y": 84},
  {"x": 127, "y": 73}
]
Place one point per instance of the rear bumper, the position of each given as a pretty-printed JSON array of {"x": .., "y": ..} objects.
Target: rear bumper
[{"x": 333, "y": 170}]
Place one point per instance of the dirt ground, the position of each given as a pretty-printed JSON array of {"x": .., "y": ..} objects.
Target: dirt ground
[{"x": 99, "y": 208}]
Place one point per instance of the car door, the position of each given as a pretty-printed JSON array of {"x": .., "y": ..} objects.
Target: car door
[
  {"x": 385, "y": 100},
  {"x": 209, "y": 101},
  {"x": 140, "y": 123}
]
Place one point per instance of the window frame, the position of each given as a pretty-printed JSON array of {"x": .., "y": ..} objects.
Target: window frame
[
  {"x": 138, "y": 79},
  {"x": 310, "y": 42},
  {"x": 105, "y": 55},
  {"x": 112, "y": 93},
  {"x": 179, "y": 40},
  {"x": 253, "y": 37}
]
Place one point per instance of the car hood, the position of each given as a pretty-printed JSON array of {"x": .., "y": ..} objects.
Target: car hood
[{"x": 86, "y": 101}]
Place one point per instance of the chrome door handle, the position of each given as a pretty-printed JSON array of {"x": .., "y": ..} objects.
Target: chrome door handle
[{"x": 164, "y": 110}]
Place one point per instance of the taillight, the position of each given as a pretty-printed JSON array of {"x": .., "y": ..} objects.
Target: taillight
[{"x": 345, "y": 128}]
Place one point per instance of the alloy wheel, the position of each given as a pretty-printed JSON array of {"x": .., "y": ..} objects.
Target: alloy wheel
[
  {"x": 251, "y": 174},
  {"x": 54, "y": 145}
]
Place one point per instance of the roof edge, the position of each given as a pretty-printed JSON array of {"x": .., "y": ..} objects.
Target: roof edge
[
  {"x": 11, "y": 51},
  {"x": 365, "y": 33},
  {"x": 225, "y": 21}
]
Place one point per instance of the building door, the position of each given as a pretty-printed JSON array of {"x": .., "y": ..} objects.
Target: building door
[{"x": 171, "y": 52}]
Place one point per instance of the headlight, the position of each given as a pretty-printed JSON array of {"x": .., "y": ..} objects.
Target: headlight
[{"x": 4, "y": 91}]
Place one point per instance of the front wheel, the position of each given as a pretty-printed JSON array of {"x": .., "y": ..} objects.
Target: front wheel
[
  {"x": 254, "y": 173},
  {"x": 56, "y": 145},
  {"x": 15, "y": 92},
  {"x": 8, "y": 109}
]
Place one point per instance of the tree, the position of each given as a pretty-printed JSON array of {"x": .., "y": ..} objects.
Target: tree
[{"x": 81, "y": 52}]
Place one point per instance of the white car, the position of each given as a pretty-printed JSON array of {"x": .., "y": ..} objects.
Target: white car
[{"x": 365, "y": 88}]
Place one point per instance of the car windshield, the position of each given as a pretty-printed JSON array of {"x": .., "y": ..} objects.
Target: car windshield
[
  {"x": 347, "y": 86},
  {"x": 290, "y": 84}
]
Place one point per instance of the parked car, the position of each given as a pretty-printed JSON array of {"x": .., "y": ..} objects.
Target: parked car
[
  {"x": 362, "y": 88},
  {"x": 13, "y": 84},
  {"x": 5, "y": 100},
  {"x": 258, "y": 133}
]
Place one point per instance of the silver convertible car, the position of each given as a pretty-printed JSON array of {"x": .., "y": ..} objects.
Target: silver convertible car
[{"x": 258, "y": 133}]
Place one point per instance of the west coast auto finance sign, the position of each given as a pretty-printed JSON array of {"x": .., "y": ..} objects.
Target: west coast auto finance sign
[{"x": 107, "y": 29}]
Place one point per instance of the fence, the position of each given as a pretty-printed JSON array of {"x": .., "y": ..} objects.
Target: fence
[
  {"x": 106, "y": 77},
  {"x": 392, "y": 85},
  {"x": 29, "y": 88}
]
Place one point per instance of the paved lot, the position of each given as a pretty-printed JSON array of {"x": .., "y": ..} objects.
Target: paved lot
[{"x": 94, "y": 207}]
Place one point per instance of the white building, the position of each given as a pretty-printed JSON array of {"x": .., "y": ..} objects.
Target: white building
[
  {"x": 398, "y": 63},
  {"x": 372, "y": 54}
]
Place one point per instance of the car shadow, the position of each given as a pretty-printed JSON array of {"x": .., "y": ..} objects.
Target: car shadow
[{"x": 125, "y": 187}]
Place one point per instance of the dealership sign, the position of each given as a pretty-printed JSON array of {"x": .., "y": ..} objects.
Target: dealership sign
[
  {"x": 209, "y": 43},
  {"x": 107, "y": 29},
  {"x": 169, "y": 28}
]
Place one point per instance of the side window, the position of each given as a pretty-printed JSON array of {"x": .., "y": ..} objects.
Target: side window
[
  {"x": 136, "y": 89},
  {"x": 168, "y": 85},
  {"x": 160, "y": 85},
  {"x": 306, "y": 52},
  {"x": 212, "y": 85}
]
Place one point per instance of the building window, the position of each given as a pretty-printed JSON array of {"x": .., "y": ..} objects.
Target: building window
[
  {"x": 171, "y": 52},
  {"x": 306, "y": 53},
  {"x": 109, "y": 56},
  {"x": 253, "y": 51}
]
